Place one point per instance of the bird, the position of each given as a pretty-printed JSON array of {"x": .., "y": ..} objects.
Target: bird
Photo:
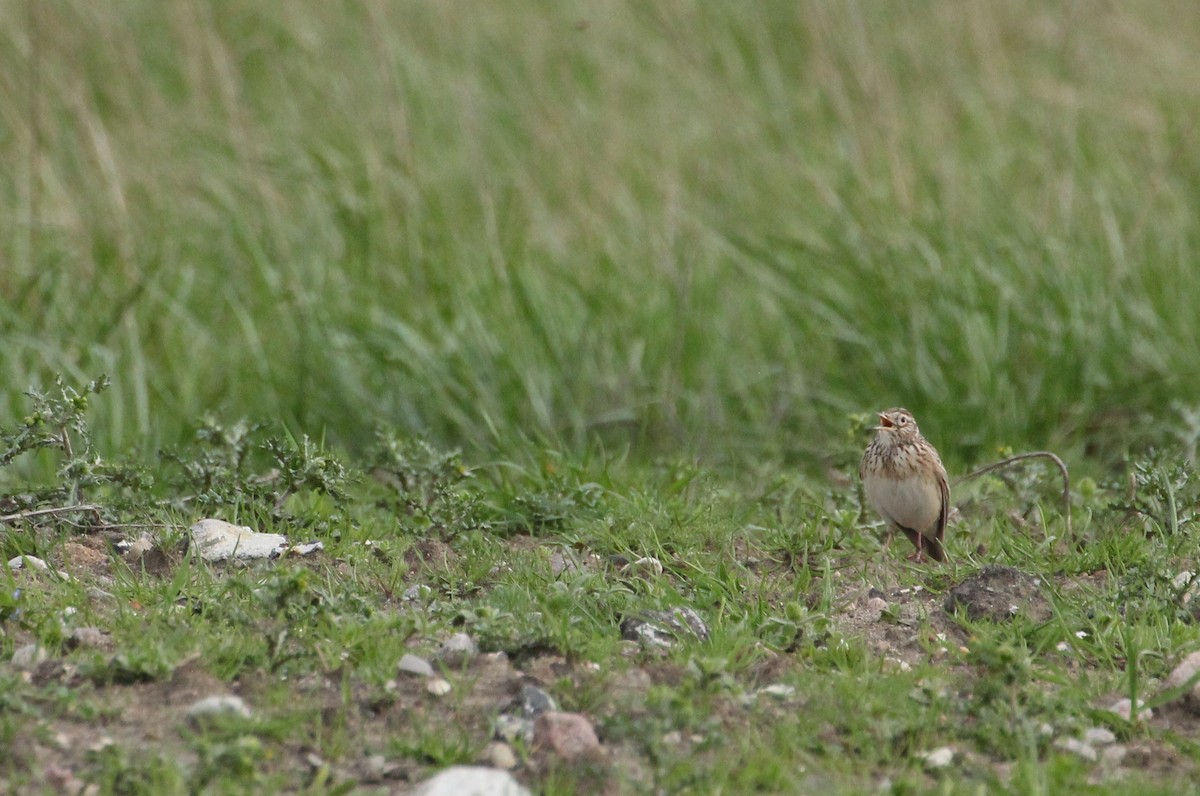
[{"x": 905, "y": 483}]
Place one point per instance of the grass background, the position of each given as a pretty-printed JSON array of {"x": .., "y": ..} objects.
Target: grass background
[{"x": 715, "y": 228}]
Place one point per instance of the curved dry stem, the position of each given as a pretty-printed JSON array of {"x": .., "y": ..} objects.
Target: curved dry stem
[{"x": 1062, "y": 468}]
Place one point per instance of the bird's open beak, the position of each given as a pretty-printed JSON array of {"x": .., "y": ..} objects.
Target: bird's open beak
[{"x": 884, "y": 422}]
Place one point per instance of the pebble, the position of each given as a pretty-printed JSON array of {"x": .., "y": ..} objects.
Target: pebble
[
  {"x": 645, "y": 567},
  {"x": 780, "y": 691},
  {"x": 438, "y": 687},
  {"x": 417, "y": 591},
  {"x": 219, "y": 705},
  {"x": 304, "y": 549},
  {"x": 1124, "y": 709},
  {"x": 33, "y": 562},
  {"x": 28, "y": 657},
  {"x": 534, "y": 701},
  {"x": 89, "y": 638},
  {"x": 139, "y": 547},
  {"x": 876, "y": 606},
  {"x": 560, "y": 564},
  {"x": 512, "y": 728},
  {"x": 471, "y": 781},
  {"x": 412, "y": 664},
  {"x": 457, "y": 650},
  {"x": 1099, "y": 736},
  {"x": 569, "y": 736},
  {"x": 662, "y": 629},
  {"x": 1186, "y": 669},
  {"x": 1113, "y": 755},
  {"x": 939, "y": 758},
  {"x": 1078, "y": 747},
  {"x": 498, "y": 754}
]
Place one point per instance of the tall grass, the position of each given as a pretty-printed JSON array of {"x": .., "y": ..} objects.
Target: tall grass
[{"x": 684, "y": 226}]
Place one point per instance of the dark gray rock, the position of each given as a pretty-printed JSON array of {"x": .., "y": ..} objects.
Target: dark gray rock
[
  {"x": 662, "y": 629},
  {"x": 998, "y": 594}
]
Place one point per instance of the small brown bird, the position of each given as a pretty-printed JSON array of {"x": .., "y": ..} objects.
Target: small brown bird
[{"x": 905, "y": 482}]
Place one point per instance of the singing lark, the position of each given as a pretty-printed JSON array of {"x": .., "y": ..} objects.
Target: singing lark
[{"x": 905, "y": 482}]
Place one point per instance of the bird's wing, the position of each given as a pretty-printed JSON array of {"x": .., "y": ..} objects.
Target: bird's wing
[{"x": 944, "y": 514}]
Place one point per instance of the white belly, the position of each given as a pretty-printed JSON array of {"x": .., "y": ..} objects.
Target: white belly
[{"x": 912, "y": 502}]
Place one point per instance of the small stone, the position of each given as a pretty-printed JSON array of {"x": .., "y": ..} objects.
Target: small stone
[
  {"x": 101, "y": 743},
  {"x": 662, "y": 629},
  {"x": 209, "y": 708},
  {"x": 1124, "y": 709},
  {"x": 417, "y": 591},
  {"x": 28, "y": 657},
  {"x": 304, "y": 549},
  {"x": 33, "y": 562},
  {"x": 89, "y": 638},
  {"x": 438, "y": 687},
  {"x": 569, "y": 736},
  {"x": 534, "y": 701},
  {"x": 512, "y": 728},
  {"x": 645, "y": 567},
  {"x": 876, "y": 606},
  {"x": 139, "y": 547},
  {"x": 377, "y": 768},
  {"x": 939, "y": 758},
  {"x": 1184, "y": 583},
  {"x": 1184, "y": 672},
  {"x": 1078, "y": 747},
  {"x": 1099, "y": 736},
  {"x": 457, "y": 650},
  {"x": 1113, "y": 755},
  {"x": 561, "y": 564},
  {"x": 500, "y": 755},
  {"x": 96, "y": 594},
  {"x": 780, "y": 691},
  {"x": 471, "y": 781},
  {"x": 412, "y": 664}
]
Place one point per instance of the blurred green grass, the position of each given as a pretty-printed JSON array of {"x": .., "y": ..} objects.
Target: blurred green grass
[{"x": 716, "y": 228}]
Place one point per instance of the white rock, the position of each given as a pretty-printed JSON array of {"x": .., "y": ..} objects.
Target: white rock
[
  {"x": 411, "y": 664},
  {"x": 1124, "y": 709},
  {"x": 221, "y": 704},
  {"x": 645, "y": 567},
  {"x": 457, "y": 650},
  {"x": 306, "y": 549},
  {"x": 1099, "y": 736},
  {"x": 33, "y": 562},
  {"x": 1185, "y": 671},
  {"x": 1184, "y": 583},
  {"x": 500, "y": 755},
  {"x": 438, "y": 687},
  {"x": 28, "y": 657},
  {"x": 1113, "y": 755},
  {"x": 471, "y": 781},
  {"x": 939, "y": 758},
  {"x": 1076, "y": 746},
  {"x": 778, "y": 690},
  {"x": 217, "y": 540},
  {"x": 417, "y": 591}
]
